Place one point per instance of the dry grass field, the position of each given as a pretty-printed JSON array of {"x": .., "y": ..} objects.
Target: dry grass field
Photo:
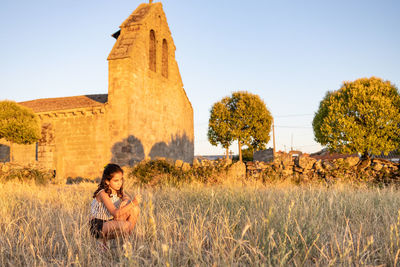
[{"x": 205, "y": 226}]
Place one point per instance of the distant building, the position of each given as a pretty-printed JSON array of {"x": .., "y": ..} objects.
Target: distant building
[
  {"x": 210, "y": 157},
  {"x": 325, "y": 154},
  {"x": 266, "y": 155},
  {"x": 392, "y": 156}
]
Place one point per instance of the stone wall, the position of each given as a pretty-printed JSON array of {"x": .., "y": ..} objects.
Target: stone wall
[
  {"x": 75, "y": 143},
  {"x": 306, "y": 168},
  {"x": 23, "y": 154},
  {"x": 17, "y": 153}
]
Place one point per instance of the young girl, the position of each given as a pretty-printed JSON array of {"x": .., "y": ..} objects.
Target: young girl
[{"x": 112, "y": 212}]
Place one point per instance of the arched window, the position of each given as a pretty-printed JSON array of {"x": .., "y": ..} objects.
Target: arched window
[
  {"x": 152, "y": 51},
  {"x": 164, "y": 58}
]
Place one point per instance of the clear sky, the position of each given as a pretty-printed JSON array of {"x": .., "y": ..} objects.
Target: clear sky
[{"x": 288, "y": 52}]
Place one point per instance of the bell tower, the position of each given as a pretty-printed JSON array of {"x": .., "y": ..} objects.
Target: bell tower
[{"x": 146, "y": 98}]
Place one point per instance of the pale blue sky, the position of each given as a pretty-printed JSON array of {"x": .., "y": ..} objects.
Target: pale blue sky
[{"x": 288, "y": 52}]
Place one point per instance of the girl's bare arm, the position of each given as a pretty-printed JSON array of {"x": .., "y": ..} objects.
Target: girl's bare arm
[
  {"x": 126, "y": 197},
  {"x": 110, "y": 206}
]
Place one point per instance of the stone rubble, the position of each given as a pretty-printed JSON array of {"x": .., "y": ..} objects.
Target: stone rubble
[{"x": 305, "y": 168}]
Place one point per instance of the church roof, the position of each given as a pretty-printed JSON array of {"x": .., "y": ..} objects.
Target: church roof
[
  {"x": 61, "y": 103},
  {"x": 139, "y": 14}
]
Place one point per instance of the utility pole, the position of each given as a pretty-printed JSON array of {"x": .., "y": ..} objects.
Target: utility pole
[
  {"x": 291, "y": 144},
  {"x": 273, "y": 135}
]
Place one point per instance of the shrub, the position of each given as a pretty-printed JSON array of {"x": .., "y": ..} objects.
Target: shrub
[
  {"x": 158, "y": 172},
  {"x": 161, "y": 172},
  {"x": 18, "y": 124},
  {"x": 27, "y": 174}
]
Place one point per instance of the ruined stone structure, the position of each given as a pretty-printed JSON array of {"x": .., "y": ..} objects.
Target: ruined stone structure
[{"x": 146, "y": 113}]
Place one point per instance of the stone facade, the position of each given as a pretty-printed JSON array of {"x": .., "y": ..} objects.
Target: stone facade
[{"x": 146, "y": 113}]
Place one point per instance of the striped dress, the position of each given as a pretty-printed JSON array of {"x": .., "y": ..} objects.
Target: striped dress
[{"x": 99, "y": 211}]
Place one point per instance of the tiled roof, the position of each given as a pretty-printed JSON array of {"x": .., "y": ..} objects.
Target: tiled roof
[{"x": 61, "y": 103}]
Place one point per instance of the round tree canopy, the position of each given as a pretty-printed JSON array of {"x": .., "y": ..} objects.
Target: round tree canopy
[
  {"x": 363, "y": 116},
  {"x": 243, "y": 117},
  {"x": 18, "y": 124}
]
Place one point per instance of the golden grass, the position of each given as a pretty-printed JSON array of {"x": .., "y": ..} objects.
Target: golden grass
[{"x": 199, "y": 226}]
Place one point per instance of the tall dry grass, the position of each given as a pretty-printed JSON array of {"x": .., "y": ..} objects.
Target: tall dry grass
[{"x": 199, "y": 226}]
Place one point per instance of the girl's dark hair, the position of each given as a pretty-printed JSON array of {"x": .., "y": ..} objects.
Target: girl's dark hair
[{"x": 109, "y": 171}]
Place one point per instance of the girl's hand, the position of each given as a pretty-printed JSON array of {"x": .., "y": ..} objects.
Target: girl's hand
[{"x": 138, "y": 198}]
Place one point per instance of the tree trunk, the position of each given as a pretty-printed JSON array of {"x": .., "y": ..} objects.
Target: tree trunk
[
  {"x": 365, "y": 156},
  {"x": 227, "y": 153},
  {"x": 240, "y": 150}
]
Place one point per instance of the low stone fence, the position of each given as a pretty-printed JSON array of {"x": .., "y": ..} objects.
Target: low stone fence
[
  {"x": 306, "y": 168},
  {"x": 161, "y": 171},
  {"x": 233, "y": 171},
  {"x": 301, "y": 168}
]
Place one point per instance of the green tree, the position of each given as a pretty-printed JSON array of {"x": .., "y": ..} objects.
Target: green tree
[
  {"x": 18, "y": 124},
  {"x": 251, "y": 119},
  {"x": 247, "y": 153},
  {"x": 363, "y": 116},
  {"x": 243, "y": 117},
  {"x": 219, "y": 128}
]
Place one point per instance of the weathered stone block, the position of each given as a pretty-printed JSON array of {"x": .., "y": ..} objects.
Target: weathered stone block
[
  {"x": 185, "y": 166},
  {"x": 364, "y": 164},
  {"x": 305, "y": 162},
  {"x": 287, "y": 171},
  {"x": 318, "y": 167},
  {"x": 329, "y": 165},
  {"x": 237, "y": 171},
  {"x": 196, "y": 163},
  {"x": 5, "y": 168},
  {"x": 178, "y": 163},
  {"x": 377, "y": 166}
]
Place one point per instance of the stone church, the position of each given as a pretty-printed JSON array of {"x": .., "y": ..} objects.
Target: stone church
[{"x": 146, "y": 113}]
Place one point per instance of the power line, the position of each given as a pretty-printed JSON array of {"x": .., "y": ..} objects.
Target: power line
[
  {"x": 299, "y": 127},
  {"x": 293, "y": 115}
]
